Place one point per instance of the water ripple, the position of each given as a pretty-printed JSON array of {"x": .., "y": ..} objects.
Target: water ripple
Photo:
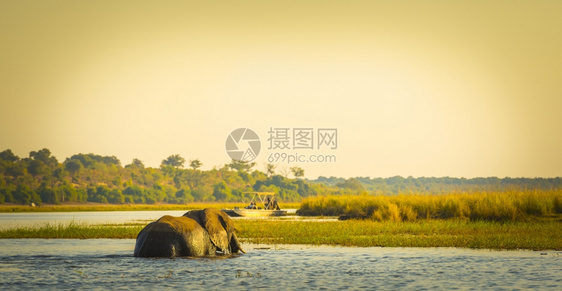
[{"x": 109, "y": 264}]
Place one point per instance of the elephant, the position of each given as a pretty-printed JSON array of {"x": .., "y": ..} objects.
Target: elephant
[{"x": 197, "y": 233}]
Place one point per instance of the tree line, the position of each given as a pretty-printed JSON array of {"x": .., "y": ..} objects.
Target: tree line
[
  {"x": 41, "y": 178},
  {"x": 441, "y": 185}
]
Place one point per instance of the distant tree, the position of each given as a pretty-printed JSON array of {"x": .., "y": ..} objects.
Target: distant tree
[
  {"x": 6, "y": 195},
  {"x": 45, "y": 157},
  {"x": 183, "y": 196},
  {"x": 25, "y": 196},
  {"x": 110, "y": 160},
  {"x": 352, "y": 184},
  {"x": 73, "y": 167},
  {"x": 115, "y": 196},
  {"x": 37, "y": 168},
  {"x": 137, "y": 194},
  {"x": 137, "y": 164},
  {"x": 222, "y": 192},
  {"x": 48, "y": 195},
  {"x": 91, "y": 160},
  {"x": 179, "y": 179},
  {"x": 241, "y": 166},
  {"x": 193, "y": 178},
  {"x": 203, "y": 194},
  {"x": 285, "y": 172},
  {"x": 15, "y": 169},
  {"x": 8, "y": 155},
  {"x": 85, "y": 160},
  {"x": 195, "y": 164},
  {"x": 175, "y": 161},
  {"x": 60, "y": 174},
  {"x": 297, "y": 172},
  {"x": 270, "y": 169}
]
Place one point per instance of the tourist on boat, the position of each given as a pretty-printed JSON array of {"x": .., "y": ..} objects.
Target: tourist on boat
[
  {"x": 271, "y": 205},
  {"x": 252, "y": 205},
  {"x": 274, "y": 205}
]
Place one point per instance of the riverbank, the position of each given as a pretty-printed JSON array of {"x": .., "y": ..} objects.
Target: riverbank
[
  {"x": 533, "y": 235},
  {"x": 127, "y": 207}
]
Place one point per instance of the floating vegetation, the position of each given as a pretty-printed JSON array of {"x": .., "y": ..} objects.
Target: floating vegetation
[{"x": 240, "y": 274}]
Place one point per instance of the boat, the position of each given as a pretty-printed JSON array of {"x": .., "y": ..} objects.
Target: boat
[{"x": 262, "y": 204}]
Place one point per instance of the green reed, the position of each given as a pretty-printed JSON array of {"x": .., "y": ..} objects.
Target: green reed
[
  {"x": 538, "y": 235},
  {"x": 73, "y": 230},
  {"x": 501, "y": 206},
  {"x": 423, "y": 233}
]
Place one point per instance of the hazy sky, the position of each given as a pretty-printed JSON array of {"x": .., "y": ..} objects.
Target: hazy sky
[{"x": 420, "y": 88}]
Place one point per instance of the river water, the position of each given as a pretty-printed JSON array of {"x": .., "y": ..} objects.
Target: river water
[
  {"x": 49, "y": 264},
  {"x": 33, "y": 219},
  {"x": 29, "y": 219},
  {"x": 101, "y": 264}
]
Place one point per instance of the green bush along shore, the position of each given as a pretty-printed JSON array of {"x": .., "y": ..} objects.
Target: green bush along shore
[{"x": 495, "y": 206}]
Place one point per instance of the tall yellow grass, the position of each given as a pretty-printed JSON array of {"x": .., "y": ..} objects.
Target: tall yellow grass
[{"x": 496, "y": 206}]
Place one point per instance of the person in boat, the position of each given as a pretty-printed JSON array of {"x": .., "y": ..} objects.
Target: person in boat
[
  {"x": 275, "y": 206},
  {"x": 271, "y": 204},
  {"x": 252, "y": 205}
]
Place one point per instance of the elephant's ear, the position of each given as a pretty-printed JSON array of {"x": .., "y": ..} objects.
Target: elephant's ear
[{"x": 220, "y": 228}]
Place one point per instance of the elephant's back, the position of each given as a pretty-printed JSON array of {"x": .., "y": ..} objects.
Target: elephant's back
[
  {"x": 168, "y": 237},
  {"x": 180, "y": 224}
]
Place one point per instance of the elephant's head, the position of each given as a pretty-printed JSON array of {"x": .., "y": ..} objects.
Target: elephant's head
[
  {"x": 196, "y": 233},
  {"x": 219, "y": 227}
]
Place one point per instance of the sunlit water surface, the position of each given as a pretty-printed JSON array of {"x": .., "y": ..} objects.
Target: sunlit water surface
[{"x": 32, "y": 264}]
